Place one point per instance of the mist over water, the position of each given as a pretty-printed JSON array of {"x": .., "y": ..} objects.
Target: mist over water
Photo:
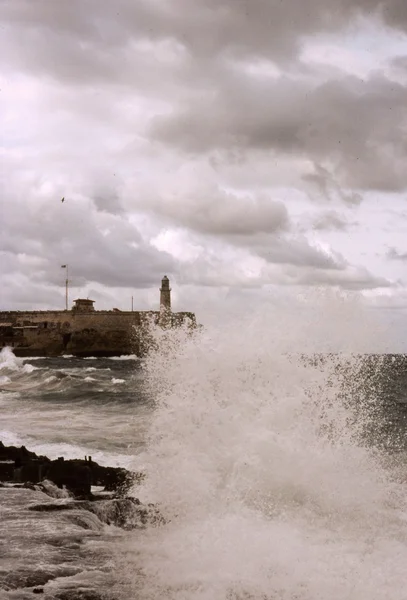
[{"x": 264, "y": 465}]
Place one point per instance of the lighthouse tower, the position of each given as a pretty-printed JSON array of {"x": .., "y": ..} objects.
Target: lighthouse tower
[
  {"x": 165, "y": 302},
  {"x": 165, "y": 294}
]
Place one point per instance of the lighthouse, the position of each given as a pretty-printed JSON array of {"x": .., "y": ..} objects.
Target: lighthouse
[
  {"x": 165, "y": 302},
  {"x": 165, "y": 294}
]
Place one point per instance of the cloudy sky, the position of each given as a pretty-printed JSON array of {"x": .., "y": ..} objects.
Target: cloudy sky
[{"x": 245, "y": 148}]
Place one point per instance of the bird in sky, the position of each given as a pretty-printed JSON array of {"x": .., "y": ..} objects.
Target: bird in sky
[{"x": 63, "y": 199}]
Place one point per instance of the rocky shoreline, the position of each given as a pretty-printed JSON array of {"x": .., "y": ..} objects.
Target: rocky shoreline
[
  {"x": 59, "y": 509},
  {"x": 19, "y": 465}
]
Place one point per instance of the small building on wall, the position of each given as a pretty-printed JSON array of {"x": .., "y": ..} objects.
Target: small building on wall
[
  {"x": 83, "y": 305},
  {"x": 84, "y": 331}
]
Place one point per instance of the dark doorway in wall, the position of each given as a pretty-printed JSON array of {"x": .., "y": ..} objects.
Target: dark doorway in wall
[{"x": 66, "y": 338}]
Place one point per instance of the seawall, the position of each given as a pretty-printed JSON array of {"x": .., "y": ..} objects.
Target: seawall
[{"x": 93, "y": 333}]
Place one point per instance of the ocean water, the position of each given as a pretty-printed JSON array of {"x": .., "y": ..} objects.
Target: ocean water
[
  {"x": 74, "y": 407},
  {"x": 276, "y": 454}
]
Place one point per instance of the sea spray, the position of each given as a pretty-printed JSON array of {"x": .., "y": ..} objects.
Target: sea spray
[
  {"x": 259, "y": 461},
  {"x": 8, "y": 361}
]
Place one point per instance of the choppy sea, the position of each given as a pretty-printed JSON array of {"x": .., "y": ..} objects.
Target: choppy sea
[{"x": 281, "y": 475}]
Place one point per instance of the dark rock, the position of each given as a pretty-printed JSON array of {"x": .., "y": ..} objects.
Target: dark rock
[
  {"x": 20, "y": 456},
  {"x": 38, "y": 590},
  {"x": 83, "y": 594},
  {"x": 6, "y": 470},
  {"x": 32, "y": 471},
  {"x": 49, "y": 507},
  {"x": 71, "y": 481},
  {"x": 76, "y": 478},
  {"x": 111, "y": 478},
  {"x": 21, "y": 465}
]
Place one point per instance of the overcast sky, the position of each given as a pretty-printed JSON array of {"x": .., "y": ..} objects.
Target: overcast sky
[{"x": 248, "y": 149}]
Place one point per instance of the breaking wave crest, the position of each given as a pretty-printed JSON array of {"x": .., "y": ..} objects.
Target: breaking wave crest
[
  {"x": 261, "y": 460},
  {"x": 69, "y": 407},
  {"x": 55, "y": 375},
  {"x": 8, "y": 361}
]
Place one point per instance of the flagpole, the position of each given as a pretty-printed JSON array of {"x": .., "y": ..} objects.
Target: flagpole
[
  {"x": 66, "y": 285},
  {"x": 66, "y": 288}
]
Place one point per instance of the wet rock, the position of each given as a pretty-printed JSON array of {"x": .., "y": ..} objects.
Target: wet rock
[
  {"x": 18, "y": 455},
  {"x": 38, "y": 590},
  {"x": 26, "y": 578},
  {"x": 77, "y": 476},
  {"x": 50, "y": 550},
  {"x": 33, "y": 471},
  {"x": 84, "y": 594},
  {"x": 6, "y": 470},
  {"x": 49, "y": 488},
  {"x": 112, "y": 479},
  {"x": 49, "y": 507},
  {"x": 127, "y": 513}
]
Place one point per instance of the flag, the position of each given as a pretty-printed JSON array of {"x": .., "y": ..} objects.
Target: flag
[{"x": 63, "y": 266}]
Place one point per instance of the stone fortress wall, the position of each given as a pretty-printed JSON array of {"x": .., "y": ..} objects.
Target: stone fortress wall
[{"x": 84, "y": 331}]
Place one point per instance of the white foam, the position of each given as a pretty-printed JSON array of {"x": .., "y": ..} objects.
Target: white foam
[
  {"x": 27, "y": 368},
  {"x": 253, "y": 458},
  {"x": 8, "y": 361},
  {"x": 115, "y": 381}
]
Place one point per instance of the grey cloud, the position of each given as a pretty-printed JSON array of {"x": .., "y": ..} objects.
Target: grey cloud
[
  {"x": 205, "y": 27},
  {"x": 394, "y": 254},
  {"x": 217, "y": 273},
  {"x": 395, "y": 301},
  {"x": 400, "y": 62},
  {"x": 329, "y": 187},
  {"x": 352, "y": 130},
  {"x": 107, "y": 202},
  {"x": 330, "y": 221},
  {"x": 355, "y": 125},
  {"x": 304, "y": 264},
  {"x": 209, "y": 209},
  {"x": 38, "y": 235},
  {"x": 97, "y": 71},
  {"x": 349, "y": 278},
  {"x": 294, "y": 251},
  {"x": 254, "y": 223},
  {"x": 394, "y": 12},
  {"x": 21, "y": 293}
]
